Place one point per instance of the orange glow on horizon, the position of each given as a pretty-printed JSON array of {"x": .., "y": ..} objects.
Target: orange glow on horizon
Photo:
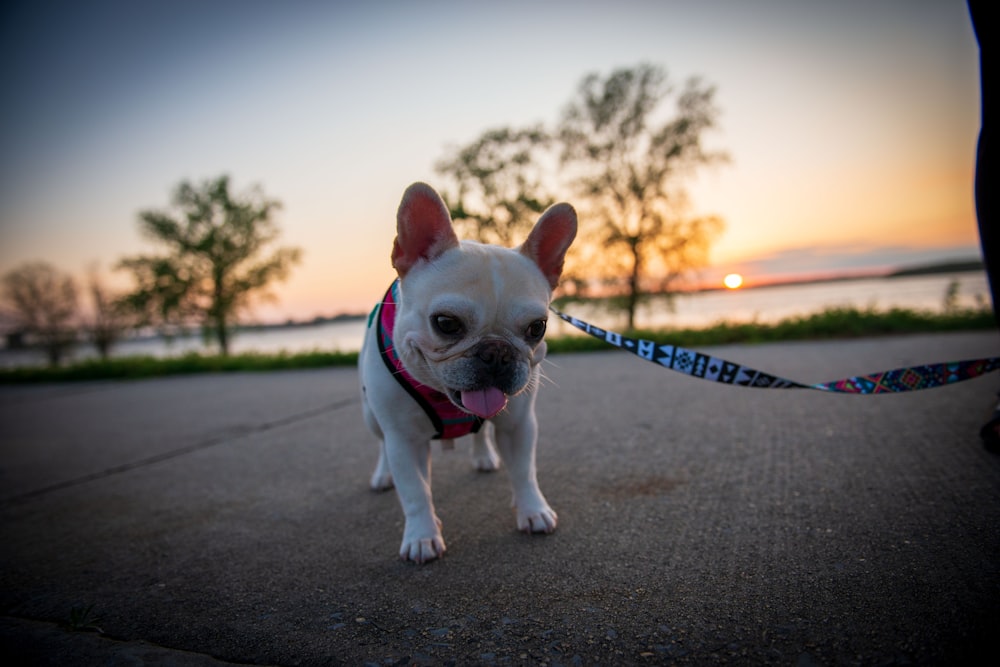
[{"x": 733, "y": 281}]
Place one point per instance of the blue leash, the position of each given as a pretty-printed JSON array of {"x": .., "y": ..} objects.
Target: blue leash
[{"x": 714, "y": 369}]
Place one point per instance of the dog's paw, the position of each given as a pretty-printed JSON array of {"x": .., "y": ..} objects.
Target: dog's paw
[
  {"x": 484, "y": 454},
  {"x": 422, "y": 550},
  {"x": 486, "y": 460},
  {"x": 381, "y": 481},
  {"x": 537, "y": 519}
]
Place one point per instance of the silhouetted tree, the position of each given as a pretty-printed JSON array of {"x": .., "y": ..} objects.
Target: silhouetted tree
[
  {"x": 499, "y": 184},
  {"x": 629, "y": 166},
  {"x": 110, "y": 319},
  {"x": 43, "y": 303},
  {"x": 218, "y": 257}
]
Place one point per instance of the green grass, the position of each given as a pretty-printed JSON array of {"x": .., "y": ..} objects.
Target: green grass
[
  {"x": 834, "y": 323},
  {"x": 132, "y": 368},
  {"x": 82, "y": 619}
]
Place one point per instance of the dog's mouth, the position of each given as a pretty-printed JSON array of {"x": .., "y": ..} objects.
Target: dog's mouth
[{"x": 483, "y": 403}]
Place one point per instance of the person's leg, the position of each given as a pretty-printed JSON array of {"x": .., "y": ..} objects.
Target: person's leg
[{"x": 985, "y": 199}]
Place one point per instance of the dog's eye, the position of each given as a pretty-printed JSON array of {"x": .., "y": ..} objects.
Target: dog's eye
[
  {"x": 535, "y": 330},
  {"x": 447, "y": 325}
]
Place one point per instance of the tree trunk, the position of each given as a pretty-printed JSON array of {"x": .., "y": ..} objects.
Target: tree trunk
[
  {"x": 56, "y": 347},
  {"x": 633, "y": 284},
  {"x": 54, "y": 353},
  {"x": 222, "y": 334},
  {"x": 219, "y": 312}
]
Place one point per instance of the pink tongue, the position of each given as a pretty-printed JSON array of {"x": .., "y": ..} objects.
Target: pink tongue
[{"x": 484, "y": 402}]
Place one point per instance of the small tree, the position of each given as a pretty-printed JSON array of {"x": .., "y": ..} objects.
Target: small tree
[
  {"x": 109, "y": 320},
  {"x": 43, "y": 302},
  {"x": 629, "y": 165},
  {"x": 218, "y": 258},
  {"x": 499, "y": 185}
]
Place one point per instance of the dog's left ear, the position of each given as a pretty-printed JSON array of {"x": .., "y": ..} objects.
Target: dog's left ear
[
  {"x": 423, "y": 228},
  {"x": 548, "y": 242}
]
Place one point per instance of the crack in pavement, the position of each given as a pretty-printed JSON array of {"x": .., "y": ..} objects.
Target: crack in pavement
[
  {"x": 180, "y": 451},
  {"x": 40, "y": 641}
]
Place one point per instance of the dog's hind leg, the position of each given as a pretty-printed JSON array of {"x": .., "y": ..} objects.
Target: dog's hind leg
[
  {"x": 484, "y": 454},
  {"x": 382, "y": 477}
]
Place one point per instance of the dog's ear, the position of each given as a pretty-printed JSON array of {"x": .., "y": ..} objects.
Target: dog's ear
[
  {"x": 550, "y": 239},
  {"x": 423, "y": 228}
]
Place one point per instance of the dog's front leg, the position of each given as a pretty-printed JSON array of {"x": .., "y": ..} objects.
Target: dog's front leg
[
  {"x": 516, "y": 439},
  {"x": 410, "y": 463}
]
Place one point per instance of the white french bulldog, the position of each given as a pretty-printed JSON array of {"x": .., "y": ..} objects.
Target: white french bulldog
[{"x": 457, "y": 340}]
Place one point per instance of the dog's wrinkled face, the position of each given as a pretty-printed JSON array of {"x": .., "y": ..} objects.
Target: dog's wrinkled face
[
  {"x": 471, "y": 325},
  {"x": 472, "y": 317}
]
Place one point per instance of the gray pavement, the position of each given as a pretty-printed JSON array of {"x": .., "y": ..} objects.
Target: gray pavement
[{"x": 226, "y": 518}]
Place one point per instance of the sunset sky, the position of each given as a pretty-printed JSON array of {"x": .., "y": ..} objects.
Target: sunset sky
[{"x": 851, "y": 125}]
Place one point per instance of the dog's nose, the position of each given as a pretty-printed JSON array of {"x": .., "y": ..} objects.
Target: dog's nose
[{"x": 495, "y": 353}]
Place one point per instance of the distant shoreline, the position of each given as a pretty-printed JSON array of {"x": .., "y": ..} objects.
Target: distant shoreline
[
  {"x": 319, "y": 320},
  {"x": 951, "y": 266},
  {"x": 832, "y": 323},
  {"x": 960, "y": 266}
]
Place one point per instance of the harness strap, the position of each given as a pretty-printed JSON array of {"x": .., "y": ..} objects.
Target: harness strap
[{"x": 448, "y": 419}]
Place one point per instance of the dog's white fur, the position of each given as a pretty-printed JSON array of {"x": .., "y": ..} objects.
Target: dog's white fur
[{"x": 497, "y": 294}]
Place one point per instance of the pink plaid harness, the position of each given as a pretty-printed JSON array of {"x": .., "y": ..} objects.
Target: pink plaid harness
[{"x": 449, "y": 420}]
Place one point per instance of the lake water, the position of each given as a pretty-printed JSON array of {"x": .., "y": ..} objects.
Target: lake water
[{"x": 762, "y": 304}]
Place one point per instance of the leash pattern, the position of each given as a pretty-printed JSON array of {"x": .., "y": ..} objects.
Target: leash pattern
[{"x": 714, "y": 369}]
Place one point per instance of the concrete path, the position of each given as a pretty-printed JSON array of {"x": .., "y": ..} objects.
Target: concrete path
[{"x": 226, "y": 518}]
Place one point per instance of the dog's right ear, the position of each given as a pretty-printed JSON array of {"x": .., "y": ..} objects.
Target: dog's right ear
[{"x": 423, "y": 228}]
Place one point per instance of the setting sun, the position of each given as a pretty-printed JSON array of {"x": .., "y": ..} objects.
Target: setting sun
[{"x": 733, "y": 281}]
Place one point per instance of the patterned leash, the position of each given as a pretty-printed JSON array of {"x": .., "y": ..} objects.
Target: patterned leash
[{"x": 714, "y": 369}]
